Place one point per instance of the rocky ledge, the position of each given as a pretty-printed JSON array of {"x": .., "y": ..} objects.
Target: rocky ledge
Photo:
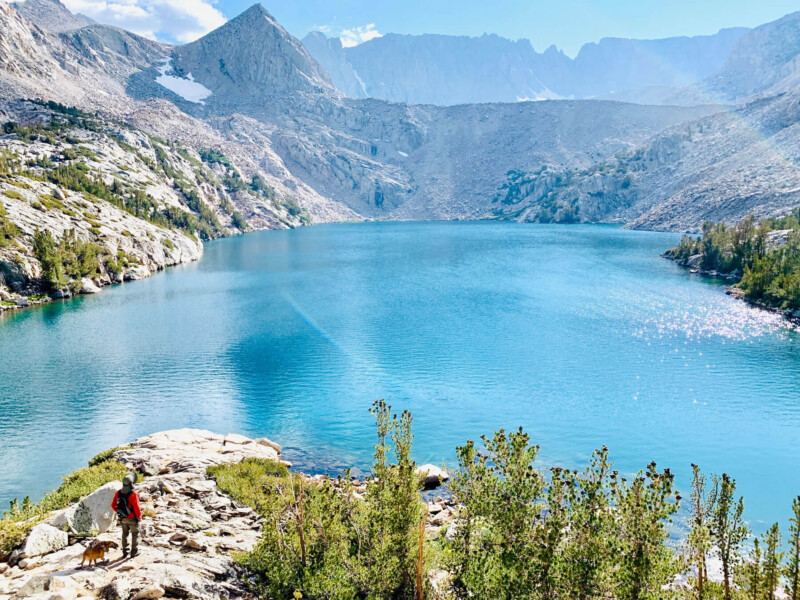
[{"x": 188, "y": 534}]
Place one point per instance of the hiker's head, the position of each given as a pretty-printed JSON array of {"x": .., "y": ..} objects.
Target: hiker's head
[{"x": 128, "y": 481}]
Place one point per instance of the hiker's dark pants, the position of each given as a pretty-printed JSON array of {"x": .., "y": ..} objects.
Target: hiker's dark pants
[{"x": 130, "y": 524}]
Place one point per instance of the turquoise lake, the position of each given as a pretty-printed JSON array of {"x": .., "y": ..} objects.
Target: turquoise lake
[{"x": 581, "y": 334}]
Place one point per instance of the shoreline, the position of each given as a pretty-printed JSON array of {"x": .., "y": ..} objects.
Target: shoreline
[
  {"x": 190, "y": 533},
  {"x": 792, "y": 317},
  {"x": 16, "y": 301}
]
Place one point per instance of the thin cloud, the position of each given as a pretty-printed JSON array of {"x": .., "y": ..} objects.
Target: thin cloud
[
  {"x": 165, "y": 20},
  {"x": 353, "y": 36}
]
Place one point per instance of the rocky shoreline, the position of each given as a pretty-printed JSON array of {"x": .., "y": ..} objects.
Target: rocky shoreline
[
  {"x": 188, "y": 535},
  {"x": 693, "y": 264},
  {"x": 10, "y": 300}
]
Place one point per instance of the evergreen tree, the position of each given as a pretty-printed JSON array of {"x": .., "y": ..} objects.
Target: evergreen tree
[
  {"x": 773, "y": 558},
  {"x": 644, "y": 508},
  {"x": 751, "y": 574},
  {"x": 699, "y": 539},
  {"x": 727, "y": 528},
  {"x": 793, "y": 565}
]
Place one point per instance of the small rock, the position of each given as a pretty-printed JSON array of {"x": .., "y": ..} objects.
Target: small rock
[
  {"x": 178, "y": 537},
  {"x": 119, "y": 589},
  {"x": 269, "y": 444},
  {"x": 149, "y": 593},
  {"x": 194, "y": 544},
  {"x": 432, "y": 476},
  {"x": 137, "y": 273}
]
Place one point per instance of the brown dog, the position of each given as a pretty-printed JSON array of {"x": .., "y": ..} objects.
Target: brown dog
[{"x": 97, "y": 551}]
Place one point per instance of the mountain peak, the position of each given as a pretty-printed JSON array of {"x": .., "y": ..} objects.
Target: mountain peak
[
  {"x": 257, "y": 10},
  {"x": 51, "y": 15},
  {"x": 252, "y": 55}
]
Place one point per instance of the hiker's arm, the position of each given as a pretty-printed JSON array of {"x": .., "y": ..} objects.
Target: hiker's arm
[
  {"x": 114, "y": 502},
  {"x": 134, "y": 502}
]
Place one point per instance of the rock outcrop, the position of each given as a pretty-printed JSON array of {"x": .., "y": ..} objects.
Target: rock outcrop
[
  {"x": 188, "y": 533},
  {"x": 187, "y": 536}
]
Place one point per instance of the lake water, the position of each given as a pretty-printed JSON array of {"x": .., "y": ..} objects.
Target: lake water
[{"x": 581, "y": 334}]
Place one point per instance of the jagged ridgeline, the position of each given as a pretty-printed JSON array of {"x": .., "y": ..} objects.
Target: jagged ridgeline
[{"x": 86, "y": 201}]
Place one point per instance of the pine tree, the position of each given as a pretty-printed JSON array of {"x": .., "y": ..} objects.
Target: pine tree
[
  {"x": 751, "y": 574},
  {"x": 772, "y": 561},
  {"x": 728, "y": 529},
  {"x": 699, "y": 540},
  {"x": 793, "y": 566}
]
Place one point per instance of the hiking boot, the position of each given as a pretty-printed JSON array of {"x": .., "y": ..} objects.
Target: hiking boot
[
  {"x": 124, "y": 554},
  {"x": 134, "y": 554}
]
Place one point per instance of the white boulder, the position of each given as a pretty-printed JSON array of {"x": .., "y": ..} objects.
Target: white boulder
[
  {"x": 88, "y": 286},
  {"x": 92, "y": 515},
  {"x": 43, "y": 539},
  {"x": 137, "y": 273}
]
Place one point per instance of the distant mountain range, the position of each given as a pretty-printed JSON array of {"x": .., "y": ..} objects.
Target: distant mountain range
[
  {"x": 297, "y": 136},
  {"x": 447, "y": 70}
]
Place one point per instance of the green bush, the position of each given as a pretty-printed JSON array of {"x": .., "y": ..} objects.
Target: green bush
[
  {"x": 12, "y": 194},
  {"x": 69, "y": 259},
  {"x": 321, "y": 540},
  {"x": 8, "y": 231},
  {"x": 105, "y": 456}
]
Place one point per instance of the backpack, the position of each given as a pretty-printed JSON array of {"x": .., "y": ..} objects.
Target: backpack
[{"x": 123, "y": 509}]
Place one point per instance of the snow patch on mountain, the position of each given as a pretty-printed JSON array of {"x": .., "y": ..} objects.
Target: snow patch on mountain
[{"x": 186, "y": 87}]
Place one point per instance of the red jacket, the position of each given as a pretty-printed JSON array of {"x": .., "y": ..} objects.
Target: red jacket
[{"x": 133, "y": 505}]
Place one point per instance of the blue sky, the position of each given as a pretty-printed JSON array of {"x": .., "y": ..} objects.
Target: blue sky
[{"x": 566, "y": 23}]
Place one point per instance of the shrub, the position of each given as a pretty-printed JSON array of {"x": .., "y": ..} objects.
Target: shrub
[
  {"x": 105, "y": 456},
  {"x": 12, "y": 194},
  {"x": 8, "y": 231},
  {"x": 68, "y": 259},
  {"x": 319, "y": 539},
  {"x": 528, "y": 533}
]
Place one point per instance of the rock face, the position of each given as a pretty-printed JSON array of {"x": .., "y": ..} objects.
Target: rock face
[
  {"x": 186, "y": 538},
  {"x": 273, "y": 110},
  {"x": 251, "y": 55},
  {"x": 762, "y": 58}
]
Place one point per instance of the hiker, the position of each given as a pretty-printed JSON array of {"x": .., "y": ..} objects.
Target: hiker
[{"x": 126, "y": 505}]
